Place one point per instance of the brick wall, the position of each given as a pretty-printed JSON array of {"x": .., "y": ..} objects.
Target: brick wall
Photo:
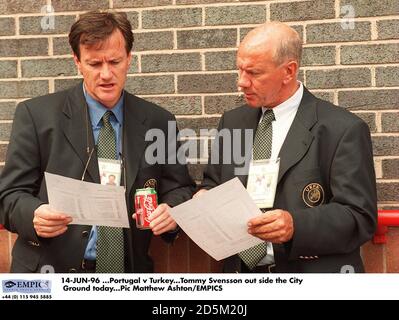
[{"x": 184, "y": 60}]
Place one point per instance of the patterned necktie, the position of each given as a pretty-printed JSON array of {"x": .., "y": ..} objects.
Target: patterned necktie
[
  {"x": 262, "y": 150},
  {"x": 110, "y": 244}
]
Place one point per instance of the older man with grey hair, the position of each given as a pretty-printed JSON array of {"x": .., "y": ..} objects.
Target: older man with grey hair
[{"x": 325, "y": 197}]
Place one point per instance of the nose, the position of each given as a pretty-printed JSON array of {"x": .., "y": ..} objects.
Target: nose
[
  {"x": 243, "y": 80},
  {"x": 105, "y": 72}
]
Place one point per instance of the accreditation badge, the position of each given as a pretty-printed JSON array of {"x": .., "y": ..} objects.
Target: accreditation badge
[
  {"x": 262, "y": 181},
  {"x": 110, "y": 171}
]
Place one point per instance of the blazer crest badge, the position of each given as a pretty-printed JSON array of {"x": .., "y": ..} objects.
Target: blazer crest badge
[
  {"x": 151, "y": 183},
  {"x": 313, "y": 194}
]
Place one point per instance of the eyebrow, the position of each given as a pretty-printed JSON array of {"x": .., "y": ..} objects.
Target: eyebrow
[
  {"x": 100, "y": 60},
  {"x": 251, "y": 68}
]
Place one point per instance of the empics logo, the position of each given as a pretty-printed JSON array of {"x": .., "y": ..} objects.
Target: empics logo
[
  {"x": 9, "y": 284},
  {"x": 27, "y": 286}
]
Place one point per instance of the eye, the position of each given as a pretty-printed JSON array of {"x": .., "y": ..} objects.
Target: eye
[{"x": 254, "y": 72}]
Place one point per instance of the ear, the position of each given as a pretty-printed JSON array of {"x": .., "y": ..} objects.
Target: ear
[
  {"x": 77, "y": 62},
  {"x": 291, "y": 70},
  {"x": 129, "y": 58}
]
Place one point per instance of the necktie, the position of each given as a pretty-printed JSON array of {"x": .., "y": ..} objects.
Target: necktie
[
  {"x": 262, "y": 150},
  {"x": 110, "y": 244}
]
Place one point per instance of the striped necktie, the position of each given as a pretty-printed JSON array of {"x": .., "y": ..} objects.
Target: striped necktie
[
  {"x": 110, "y": 243},
  {"x": 262, "y": 150}
]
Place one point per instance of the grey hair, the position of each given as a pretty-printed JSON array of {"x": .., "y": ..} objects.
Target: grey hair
[{"x": 289, "y": 48}]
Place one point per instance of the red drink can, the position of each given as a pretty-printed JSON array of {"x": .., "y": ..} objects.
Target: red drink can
[{"x": 145, "y": 202}]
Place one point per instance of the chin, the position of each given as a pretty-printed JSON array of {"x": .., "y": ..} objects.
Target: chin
[
  {"x": 109, "y": 98},
  {"x": 108, "y": 102},
  {"x": 252, "y": 104}
]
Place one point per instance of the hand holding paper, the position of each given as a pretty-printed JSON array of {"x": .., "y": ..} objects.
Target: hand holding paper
[
  {"x": 276, "y": 226},
  {"x": 49, "y": 223},
  {"x": 217, "y": 220},
  {"x": 87, "y": 203}
]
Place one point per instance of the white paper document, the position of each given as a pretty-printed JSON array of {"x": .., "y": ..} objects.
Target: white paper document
[
  {"x": 87, "y": 203},
  {"x": 217, "y": 220}
]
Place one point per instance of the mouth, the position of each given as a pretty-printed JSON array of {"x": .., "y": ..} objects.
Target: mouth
[
  {"x": 248, "y": 95},
  {"x": 107, "y": 86}
]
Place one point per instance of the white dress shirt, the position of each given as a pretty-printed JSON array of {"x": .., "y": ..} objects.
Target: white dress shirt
[{"x": 284, "y": 114}]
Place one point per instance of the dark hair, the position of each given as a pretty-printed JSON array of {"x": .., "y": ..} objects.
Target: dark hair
[{"x": 96, "y": 26}]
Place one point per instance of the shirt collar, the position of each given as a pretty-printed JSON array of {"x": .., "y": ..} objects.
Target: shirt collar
[
  {"x": 292, "y": 103},
  {"x": 97, "y": 109}
]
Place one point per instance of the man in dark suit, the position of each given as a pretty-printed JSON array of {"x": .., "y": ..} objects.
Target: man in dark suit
[
  {"x": 325, "y": 203},
  {"x": 58, "y": 133}
]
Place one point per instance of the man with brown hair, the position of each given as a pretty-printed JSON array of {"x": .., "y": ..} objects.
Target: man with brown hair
[{"x": 68, "y": 133}]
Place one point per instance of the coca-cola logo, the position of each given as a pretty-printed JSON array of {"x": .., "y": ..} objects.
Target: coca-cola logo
[{"x": 149, "y": 206}]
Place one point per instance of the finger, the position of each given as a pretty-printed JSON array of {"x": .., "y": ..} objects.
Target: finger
[
  {"x": 154, "y": 220},
  {"x": 46, "y": 209},
  {"x": 268, "y": 236},
  {"x": 160, "y": 222},
  {"x": 276, "y": 225},
  {"x": 158, "y": 211},
  {"x": 51, "y": 215},
  {"x": 134, "y": 216},
  {"x": 163, "y": 230},
  {"x": 279, "y": 236},
  {"x": 169, "y": 227},
  {"x": 49, "y": 229},
  {"x": 264, "y": 218},
  {"x": 52, "y": 234},
  {"x": 43, "y": 222}
]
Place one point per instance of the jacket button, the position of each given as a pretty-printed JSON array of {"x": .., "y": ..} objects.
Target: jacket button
[
  {"x": 73, "y": 270},
  {"x": 85, "y": 234}
]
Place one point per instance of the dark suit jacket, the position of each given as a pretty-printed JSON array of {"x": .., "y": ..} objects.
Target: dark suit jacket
[
  {"x": 327, "y": 151},
  {"x": 49, "y": 134}
]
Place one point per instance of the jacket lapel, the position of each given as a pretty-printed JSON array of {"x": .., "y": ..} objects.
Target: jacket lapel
[
  {"x": 299, "y": 137},
  {"x": 77, "y": 129},
  {"x": 134, "y": 143},
  {"x": 251, "y": 118}
]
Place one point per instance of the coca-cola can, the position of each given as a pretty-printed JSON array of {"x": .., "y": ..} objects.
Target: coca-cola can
[{"x": 145, "y": 202}]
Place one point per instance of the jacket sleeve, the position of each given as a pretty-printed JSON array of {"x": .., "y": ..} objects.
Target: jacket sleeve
[
  {"x": 177, "y": 185},
  {"x": 213, "y": 171},
  {"x": 350, "y": 217},
  {"x": 21, "y": 177}
]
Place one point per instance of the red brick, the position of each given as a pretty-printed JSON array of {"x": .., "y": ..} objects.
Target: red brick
[
  {"x": 14, "y": 237},
  {"x": 4, "y": 251},
  {"x": 392, "y": 250},
  {"x": 373, "y": 257},
  {"x": 178, "y": 254}
]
